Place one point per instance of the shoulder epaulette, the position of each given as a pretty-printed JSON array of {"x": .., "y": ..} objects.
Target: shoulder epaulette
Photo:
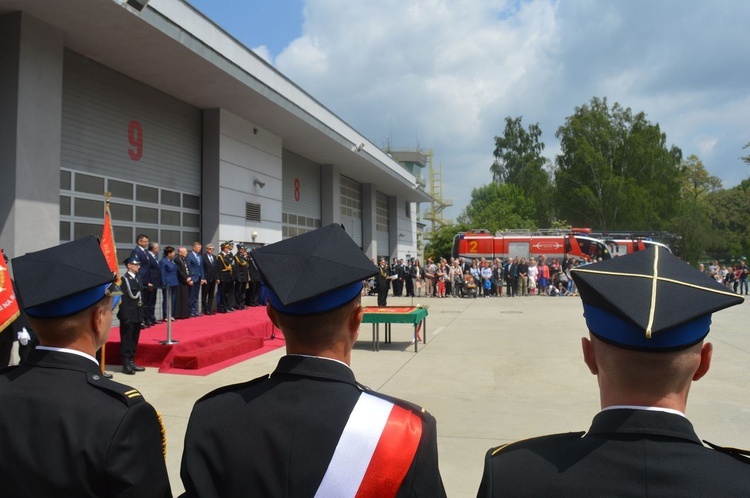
[
  {"x": 397, "y": 401},
  {"x": 128, "y": 395},
  {"x": 233, "y": 387},
  {"x": 737, "y": 452},
  {"x": 550, "y": 437}
]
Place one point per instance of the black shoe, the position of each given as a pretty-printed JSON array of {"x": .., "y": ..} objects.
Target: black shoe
[
  {"x": 136, "y": 368},
  {"x": 106, "y": 375},
  {"x": 199, "y": 314},
  {"x": 128, "y": 370}
]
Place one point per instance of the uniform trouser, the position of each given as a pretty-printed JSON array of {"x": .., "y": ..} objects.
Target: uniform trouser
[
  {"x": 239, "y": 294},
  {"x": 253, "y": 294},
  {"x": 129, "y": 333},
  {"x": 509, "y": 290},
  {"x": 149, "y": 305},
  {"x": 227, "y": 296},
  {"x": 382, "y": 295},
  {"x": 208, "y": 296},
  {"x": 409, "y": 287}
]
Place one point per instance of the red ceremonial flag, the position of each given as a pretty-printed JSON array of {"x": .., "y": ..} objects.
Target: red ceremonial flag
[
  {"x": 8, "y": 304},
  {"x": 108, "y": 242}
]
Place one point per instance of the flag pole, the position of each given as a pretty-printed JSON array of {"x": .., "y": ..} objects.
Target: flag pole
[{"x": 108, "y": 247}]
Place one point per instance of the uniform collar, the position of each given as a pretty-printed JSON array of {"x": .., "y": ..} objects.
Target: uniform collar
[
  {"x": 315, "y": 366},
  {"x": 68, "y": 359},
  {"x": 642, "y": 422}
]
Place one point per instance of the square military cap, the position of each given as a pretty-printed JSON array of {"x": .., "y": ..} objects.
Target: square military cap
[
  {"x": 649, "y": 300},
  {"x": 314, "y": 272},
  {"x": 63, "y": 280}
]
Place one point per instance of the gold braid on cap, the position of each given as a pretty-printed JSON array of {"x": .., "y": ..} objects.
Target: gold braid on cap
[{"x": 655, "y": 278}]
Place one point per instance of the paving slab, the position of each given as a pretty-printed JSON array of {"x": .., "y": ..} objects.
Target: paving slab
[{"x": 493, "y": 371}]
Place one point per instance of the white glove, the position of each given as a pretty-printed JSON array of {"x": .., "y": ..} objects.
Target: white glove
[{"x": 24, "y": 337}]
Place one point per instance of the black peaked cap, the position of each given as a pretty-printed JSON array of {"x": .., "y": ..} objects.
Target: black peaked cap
[
  {"x": 652, "y": 289},
  {"x": 61, "y": 271},
  {"x": 312, "y": 264}
]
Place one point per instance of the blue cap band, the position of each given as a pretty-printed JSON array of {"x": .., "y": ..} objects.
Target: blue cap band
[
  {"x": 614, "y": 329},
  {"x": 70, "y": 304},
  {"x": 319, "y": 304}
]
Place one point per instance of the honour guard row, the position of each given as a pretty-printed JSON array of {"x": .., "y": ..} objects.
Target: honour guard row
[{"x": 309, "y": 428}]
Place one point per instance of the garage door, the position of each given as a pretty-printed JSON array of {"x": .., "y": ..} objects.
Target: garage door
[
  {"x": 143, "y": 146},
  {"x": 300, "y": 195},
  {"x": 351, "y": 208}
]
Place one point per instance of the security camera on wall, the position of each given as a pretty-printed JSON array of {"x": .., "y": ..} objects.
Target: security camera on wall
[{"x": 138, "y": 5}]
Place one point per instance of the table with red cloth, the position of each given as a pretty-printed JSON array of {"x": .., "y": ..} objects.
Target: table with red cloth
[{"x": 389, "y": 315}]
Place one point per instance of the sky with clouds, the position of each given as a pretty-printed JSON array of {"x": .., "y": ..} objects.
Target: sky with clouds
[{"x": 444, "y": 74}]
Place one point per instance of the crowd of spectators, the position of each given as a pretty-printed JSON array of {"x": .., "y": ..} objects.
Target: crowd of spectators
[
  {"x": 733, "y": 277},
  {"x": 459, "y": 277}
]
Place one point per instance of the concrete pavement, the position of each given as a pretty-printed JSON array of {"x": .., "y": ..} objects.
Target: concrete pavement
[{"x": 493, "y": 371}]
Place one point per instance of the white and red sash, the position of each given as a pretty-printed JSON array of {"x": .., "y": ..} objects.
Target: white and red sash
[{"x": 374, "y": 452}]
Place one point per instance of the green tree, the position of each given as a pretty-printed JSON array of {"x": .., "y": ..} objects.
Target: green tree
[
  {"x": 691, "y": 221},
  {"x": 729, "y": 214},
  {"x": 440, "y": 244},
  {"x": 615, "y": 171},
  {"x": 695, "y": 182},
  {"x": 498, "y": 207},
  {"x": 519, "y": 161}
]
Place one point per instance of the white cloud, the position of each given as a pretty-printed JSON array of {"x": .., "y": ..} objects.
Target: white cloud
[
  {"x": 264, "y": 53},
  {"x": 446, "y": 73}
]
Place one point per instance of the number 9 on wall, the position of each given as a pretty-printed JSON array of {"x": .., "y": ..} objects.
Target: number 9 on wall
[{"x": 135, "y": 138}]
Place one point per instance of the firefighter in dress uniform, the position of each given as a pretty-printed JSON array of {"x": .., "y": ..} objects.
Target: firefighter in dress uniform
[
  {"x": 648, "y": 314},
  {"x": 225, "y": 269},
  {"x": 130, "y": 315},
  {"x": 67, "y": 430},
  {"x": 309, "y": 428},
  {"x": 241, "y": 277}
]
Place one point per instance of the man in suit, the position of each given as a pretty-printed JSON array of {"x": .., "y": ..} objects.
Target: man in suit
[
  {"x": 195, "y": 269},
  {"x": 66, "y": 430},
  {"x": 648, "y": 314},
  {"x": 130, "y": 315},
  {"x": 140, "y": 252},
  {"x": 225, "y": 268},
  {"x": 208, "y": 289},
  {"x": 310, "y": 429},
  {"x": 154, "y": 284}
]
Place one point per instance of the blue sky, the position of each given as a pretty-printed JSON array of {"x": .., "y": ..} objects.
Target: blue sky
[
  {"x": 444, "y": 74},
  {"x": 269, "y": 23}
]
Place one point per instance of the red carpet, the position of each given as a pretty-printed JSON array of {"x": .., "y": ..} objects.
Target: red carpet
[{"x": 207, "y": 343}]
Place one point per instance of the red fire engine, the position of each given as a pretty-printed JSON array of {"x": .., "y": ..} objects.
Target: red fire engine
[
  {"x": 622, "y": 243},
  {"x": 575, "y": 243}
]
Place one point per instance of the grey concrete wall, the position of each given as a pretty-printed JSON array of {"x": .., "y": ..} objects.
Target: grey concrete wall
[
  {"x": 248, "y": 153},
  {"x": 330, "y": 183},
  {"x": 393, "y": 229},
  {"x": 210, "y": 177},
  {"x": 31, "y": 70},
  {"x": 369, "y": 239}
]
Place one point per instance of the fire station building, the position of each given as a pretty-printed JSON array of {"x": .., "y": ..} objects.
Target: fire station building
[{"x": 195, "y": 137}]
